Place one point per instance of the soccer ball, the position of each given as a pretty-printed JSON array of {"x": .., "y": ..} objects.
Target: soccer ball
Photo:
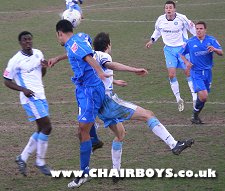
[{"x": 73, "y": 16}]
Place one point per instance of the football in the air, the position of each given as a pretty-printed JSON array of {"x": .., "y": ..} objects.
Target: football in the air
[{"x": 73, "y": 16}]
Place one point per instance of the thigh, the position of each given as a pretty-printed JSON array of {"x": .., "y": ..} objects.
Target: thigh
[
  {"x": 115, "y": 110},
  {"x": 89, "y": 101},
  {"x": 36, "y": 109},
  {"x": 170, "y": 57}
]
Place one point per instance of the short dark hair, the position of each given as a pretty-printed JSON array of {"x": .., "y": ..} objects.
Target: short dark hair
[
  {"x": 65, "y": 26},
  {"x": 171, "y": 2},
  {"x": 101, "y": 41},
  {"x": 24, "y": 33},
  {"x": 201, "y": 23}
]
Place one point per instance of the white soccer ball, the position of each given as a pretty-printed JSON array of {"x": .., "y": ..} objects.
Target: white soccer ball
[{"x": 73, "y": 16}]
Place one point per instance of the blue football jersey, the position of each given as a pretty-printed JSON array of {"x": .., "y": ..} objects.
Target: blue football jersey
[
  {"x": 200, "y": 57},
  {"x": 77, "y": 47}
]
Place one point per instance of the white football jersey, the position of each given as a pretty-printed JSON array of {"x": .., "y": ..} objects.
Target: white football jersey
[
  {"x": 26, "y": 71},
  {"x": 102, "y": 58},
  {"x": 174, "y": 32}
]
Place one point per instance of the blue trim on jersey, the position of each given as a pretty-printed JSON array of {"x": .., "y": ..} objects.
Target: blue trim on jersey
[{"x": 21, "y": 79}]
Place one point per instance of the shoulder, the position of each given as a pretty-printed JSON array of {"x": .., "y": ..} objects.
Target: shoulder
[
  {"x": 182, "y": 17},
  {"x": 210, "y": 37},
  {"x": 37, "y": 51},
  {"x": 161, "y": 17},
  {"x": 101, "y": 55},
  {"x": 17, "y": 57}
]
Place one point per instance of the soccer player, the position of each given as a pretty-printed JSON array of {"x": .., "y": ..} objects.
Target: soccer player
[
  {"x": 173, "y": 26},
  {"x": 74, "y": 5},
  {"x": 27, "y": 67},
  {"x": 201, "y": 49},
  {"x": 115, "y": 110},
  {"x": 90, "y": 91}
]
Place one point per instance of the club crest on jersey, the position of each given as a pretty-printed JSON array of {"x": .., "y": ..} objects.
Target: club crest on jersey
[
  {"x": 176, "y": 23},
  {"x": 74, "y": 47}
]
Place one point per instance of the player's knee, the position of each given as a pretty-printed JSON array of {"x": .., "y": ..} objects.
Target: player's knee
[{"x": 149, "y": 114}]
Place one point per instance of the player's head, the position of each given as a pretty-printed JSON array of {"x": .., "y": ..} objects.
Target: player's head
[
  {"x": 64, "y": 28},
  {"x": 170, "y": 8},
  {"x": 102, "y": 42},
  {"x": 200, "y": 29},
  {"x": 25, "y": 40}
]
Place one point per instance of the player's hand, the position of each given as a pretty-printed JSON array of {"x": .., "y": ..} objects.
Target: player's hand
[
  {"x": 52, "y": 61},
  {"x": 149, "y": 44},
  {"x": 189, "y": 65},
  {"x": 103, "y": 75},
  {"x": 44, "y": 63},
  {"x": 28, "y": 93},
  {"x": 121, "y": 83},
  {"x": 210, "y": 48},
  {"x": 141, "y": 71}
]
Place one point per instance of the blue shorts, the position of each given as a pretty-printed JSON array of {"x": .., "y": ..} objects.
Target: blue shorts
[
  {"x": 115, "y": 110},
  {"x": 36, "y": 109},
  {"x": 173, "y": 59},
  {"x": 202, "y": 79},
  {"x": 89, "y": 100}
]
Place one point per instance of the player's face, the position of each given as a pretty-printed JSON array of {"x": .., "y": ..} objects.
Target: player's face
[
  {"x": 170, "y": 10},
  {"x": 60, "y": 38},
  {"x": 26, "y": 42},
  {"x": 200, "y": 31}
]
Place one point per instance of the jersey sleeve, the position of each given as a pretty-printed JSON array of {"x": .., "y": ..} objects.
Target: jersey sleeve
[
  {"x": 81, "y": 49},
  {"x": 216, "y": 44},
  {"x": 156, "y": 34},
  {"x": 189, "y": 25},
  {"x": 10, "y": 70}
]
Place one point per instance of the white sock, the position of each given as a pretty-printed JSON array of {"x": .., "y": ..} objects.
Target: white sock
[
  {"x": 29, "y": 149},
  {"x": 162, "y": 132},
  {"x": 194, "y": 95},
  {"x": 116, "y": 154},
  {"x": 175, "y": 88},
  {"x": 42, "y": 146}
]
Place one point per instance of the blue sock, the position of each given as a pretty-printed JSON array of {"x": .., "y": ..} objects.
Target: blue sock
[
  {"x": 152, "y": 122},
  {"x": 189, "y": 79},
  {"x": 199, "y": 105},
  {"x": 85, "y": 154},
  {"x": 117, "y": 145},
  {"x": 172, "y": 80},
  {"x": 93, "y": 134}
]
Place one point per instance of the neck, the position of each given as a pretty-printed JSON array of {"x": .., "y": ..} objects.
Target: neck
[
  {"x": 28, "y": 52},
  {"x": 170, "y": 17},
  {"x": 201, "y": 37}
]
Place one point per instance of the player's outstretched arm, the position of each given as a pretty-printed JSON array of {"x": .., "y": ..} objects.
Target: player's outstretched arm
[
  {"x": 53, "y": 61},
  {"x": 121, "y": 67},
  {"x": 121, "y": 83},
  {"x": 91, "y": 61}
]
